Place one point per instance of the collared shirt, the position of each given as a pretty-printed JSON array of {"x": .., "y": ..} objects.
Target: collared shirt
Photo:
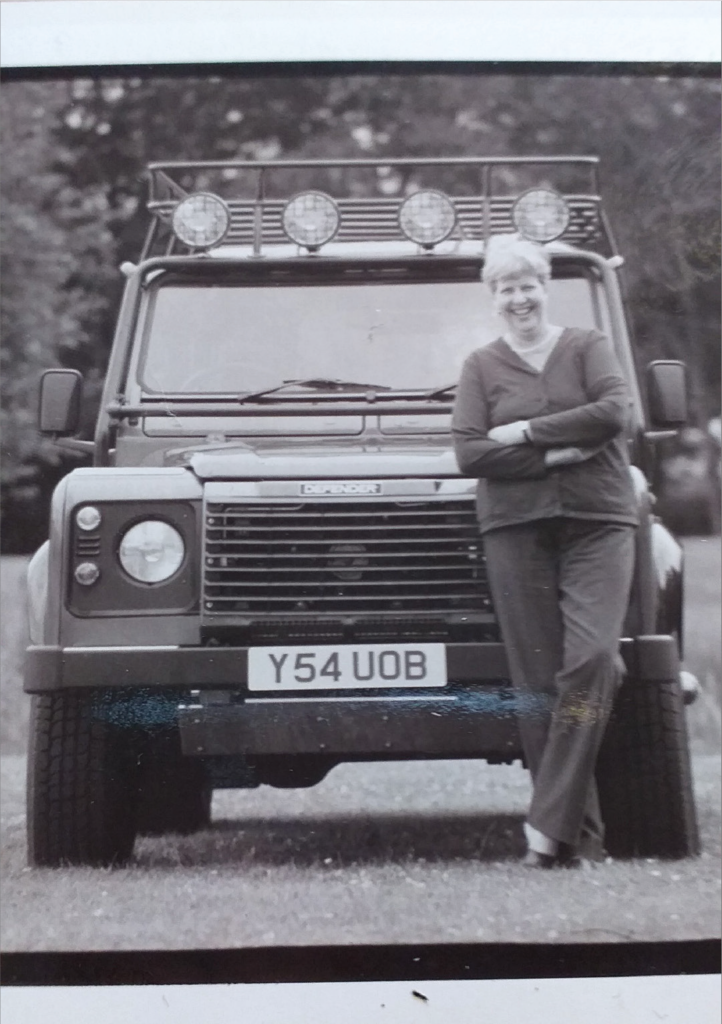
[{"x": 580, "y": 399}]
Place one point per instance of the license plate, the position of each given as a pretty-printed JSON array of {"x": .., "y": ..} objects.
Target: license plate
[{"x": 358, "y": 666}]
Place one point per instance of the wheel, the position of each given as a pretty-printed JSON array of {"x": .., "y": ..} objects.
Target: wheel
[
  {"x": 81, "y": 782},
  {"x": 644, "y": 774},
  {"x": 174, "y": 793}
]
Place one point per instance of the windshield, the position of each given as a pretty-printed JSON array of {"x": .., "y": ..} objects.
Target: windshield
[{"x": 404, "y": 335}]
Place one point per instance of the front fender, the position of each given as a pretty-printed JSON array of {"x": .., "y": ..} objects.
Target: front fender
[
  {"x": 667, "y": 557},
  {"x": 656, "y": 599},
  {"x": 37, "y": 584},
  {"x": 46, "y": 566}
]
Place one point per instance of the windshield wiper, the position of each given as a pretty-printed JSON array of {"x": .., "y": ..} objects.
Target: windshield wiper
[
  {"x": 440, "y": 392},
  {"x": 317, "y": 383}
]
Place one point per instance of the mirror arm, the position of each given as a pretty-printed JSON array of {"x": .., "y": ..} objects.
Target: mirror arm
[
  {"x": 659, "y": 435},
  {"x": 72, "y": 444}
]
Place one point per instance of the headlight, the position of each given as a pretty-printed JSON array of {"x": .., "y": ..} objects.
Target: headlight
[
  {"x": 151, "y": 551},
  {"x": 201, "y": 221},
  {"x": 311, "y": 219},
  {"x": 427, "y": 217},
  {"x": 541, "y": 215}
]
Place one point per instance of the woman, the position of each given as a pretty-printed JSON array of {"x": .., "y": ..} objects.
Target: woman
[{"x": 540, "y": 419}]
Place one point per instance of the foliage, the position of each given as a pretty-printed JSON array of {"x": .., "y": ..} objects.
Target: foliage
[
  {"x": 73, "y": 193},
  {"x": 34, "y": 266},
  {"x": 49, "y": 315}
]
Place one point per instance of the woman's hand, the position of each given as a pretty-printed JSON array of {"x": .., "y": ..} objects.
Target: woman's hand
[
  {"x": 568, "y": 456},
  {"x": 510, "y": 433}
]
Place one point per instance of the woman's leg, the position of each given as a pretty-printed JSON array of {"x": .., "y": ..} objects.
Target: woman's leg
[
  {"x": 522, "y": 569},
  {"x": 595, "y": 571}
]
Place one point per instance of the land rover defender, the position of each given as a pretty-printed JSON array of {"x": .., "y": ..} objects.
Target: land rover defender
[{"x": 273, "y": 565}]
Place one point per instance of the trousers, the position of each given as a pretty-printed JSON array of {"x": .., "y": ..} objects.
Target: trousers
[{"x": 560, "y": 589}]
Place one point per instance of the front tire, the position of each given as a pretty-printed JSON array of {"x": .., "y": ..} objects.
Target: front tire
[
  {"x": 644, "y": 774},
  {"x": 81, "y": 782}
]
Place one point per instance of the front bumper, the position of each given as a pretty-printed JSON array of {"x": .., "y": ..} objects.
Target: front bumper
[
  {"x": 200, "y": 668},
  {"x": 49, "y": 668},
  {"x": 476, "y": 716}
]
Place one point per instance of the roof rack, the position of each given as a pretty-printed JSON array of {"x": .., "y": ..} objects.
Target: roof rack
[{"x": 482, "y": 189}]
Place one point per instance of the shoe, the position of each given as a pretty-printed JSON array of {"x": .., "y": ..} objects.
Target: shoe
[
  {"x": 569, "y": 857},
  {"x": 589, "y": 854},
  {"x": 573, "y": 863},
  {"x": 532, "y": 859},
  {"x": 591, "y": 849}
]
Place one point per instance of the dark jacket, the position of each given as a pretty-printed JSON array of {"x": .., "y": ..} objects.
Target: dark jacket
[{"x": 579, "y": 399}]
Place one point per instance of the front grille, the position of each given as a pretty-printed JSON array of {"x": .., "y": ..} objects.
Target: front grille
[
  {"x": 345, "y": 561},
  {"x": 285, "y": 631}
]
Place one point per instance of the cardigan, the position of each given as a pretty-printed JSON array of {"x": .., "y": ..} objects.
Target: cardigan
[{"x": 579, "y": 399}]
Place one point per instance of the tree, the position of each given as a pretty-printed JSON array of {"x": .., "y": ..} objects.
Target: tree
[
  {"x": 42, "y": 305},
  {"x": 74, "y": 190}
]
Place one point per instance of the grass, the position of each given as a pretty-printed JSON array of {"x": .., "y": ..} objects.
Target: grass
[
  {"x": 392, "y": 854},
  {"x": 406, "y": 853},
  {"x": 14, "y": 704},
  {"x": 703, "y": 657}
]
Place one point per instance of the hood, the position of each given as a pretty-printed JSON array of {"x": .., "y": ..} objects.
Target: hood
[{"x": 271, "y": 459}]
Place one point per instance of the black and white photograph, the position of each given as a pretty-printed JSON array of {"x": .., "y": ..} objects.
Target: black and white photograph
[{"x": 360, "y": 507}]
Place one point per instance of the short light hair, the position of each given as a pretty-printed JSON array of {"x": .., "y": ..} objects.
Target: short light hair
[{"x": 512, "y": 256}]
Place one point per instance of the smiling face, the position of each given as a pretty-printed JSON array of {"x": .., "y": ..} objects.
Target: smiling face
[{"x": 521, "y": 301}]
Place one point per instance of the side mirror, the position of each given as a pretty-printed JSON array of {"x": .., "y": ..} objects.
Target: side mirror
[
  {"x": 667, "y": 394},
  {"x": 60, "y": 395}
]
